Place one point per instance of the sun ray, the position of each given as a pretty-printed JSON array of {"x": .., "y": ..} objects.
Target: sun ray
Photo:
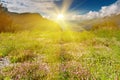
[
  {"x": 61, "y": 14},
  {"x": 65, "y": 5}
]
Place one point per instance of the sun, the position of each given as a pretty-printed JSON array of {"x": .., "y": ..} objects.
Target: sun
[{"x": 60, "y": 17}]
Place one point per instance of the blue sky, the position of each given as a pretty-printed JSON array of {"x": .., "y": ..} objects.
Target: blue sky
[
  {"x": 88, "y": 5},
  {"x": 83, "y": 9}
]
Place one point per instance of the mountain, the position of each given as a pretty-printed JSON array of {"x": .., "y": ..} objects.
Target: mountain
[
  {"x": 11, "y": 22},
  {"x": 109, "y": 22}
]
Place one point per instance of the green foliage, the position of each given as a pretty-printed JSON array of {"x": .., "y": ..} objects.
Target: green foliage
[
  {"x": 22, "y": 56},
  {"x": 26, "y": 71},
  {"x": 61, "y": 55},
  {"x": 73, "y": 70}
]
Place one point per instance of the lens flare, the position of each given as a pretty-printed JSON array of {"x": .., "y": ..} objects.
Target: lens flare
[
  {"x": 61, "y": 14},
  {"x": 60, "y": 17}
]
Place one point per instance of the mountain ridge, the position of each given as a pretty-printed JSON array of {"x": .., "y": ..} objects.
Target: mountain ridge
[
  {"x": 25, "y": 21},
  {"x": 108, "y": 22}
]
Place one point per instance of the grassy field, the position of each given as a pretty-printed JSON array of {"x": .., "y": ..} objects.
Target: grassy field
[{"x": 67, "y": 55}]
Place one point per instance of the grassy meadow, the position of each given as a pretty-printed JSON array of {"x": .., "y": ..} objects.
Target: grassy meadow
[{"x": 61, "y": 55}]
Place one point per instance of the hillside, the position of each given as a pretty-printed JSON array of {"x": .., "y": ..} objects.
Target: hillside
[
  {"x": 11, "y": 22},
  {"x": 109, "y": 22},
  {"x": 35, "y": 55}
]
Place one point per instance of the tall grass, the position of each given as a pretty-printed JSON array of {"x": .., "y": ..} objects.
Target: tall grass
[{"x": 87, "y": 55}]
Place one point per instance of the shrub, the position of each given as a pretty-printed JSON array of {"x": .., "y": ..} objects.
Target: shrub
[
  {"x": 21, "y": 56},
  {"x": 26, "y": 71},
  {"x": 73, "y": 71}
]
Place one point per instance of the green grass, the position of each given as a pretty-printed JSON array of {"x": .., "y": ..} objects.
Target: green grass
[{"x": 68, "y": 55}]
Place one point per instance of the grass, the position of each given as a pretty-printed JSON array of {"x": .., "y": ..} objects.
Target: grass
[{"x": 68, "y": 55}]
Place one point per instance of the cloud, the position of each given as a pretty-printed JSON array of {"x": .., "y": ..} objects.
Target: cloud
[
  {"x": 104, "y": 11},
  {"x": 45, "y": 7},
  {"x": 33, "y": 6}
]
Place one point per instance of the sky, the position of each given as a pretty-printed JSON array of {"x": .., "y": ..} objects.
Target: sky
[
  {"x": 88, "y": 5},
  {"x": 76, "y": 9}
]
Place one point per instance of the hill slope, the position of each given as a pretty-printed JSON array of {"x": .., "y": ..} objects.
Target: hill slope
[
  {"x": 106, "y": 22},
  {"x": 14, "y": 22}
]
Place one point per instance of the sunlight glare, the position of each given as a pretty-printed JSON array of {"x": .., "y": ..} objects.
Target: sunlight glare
[{"x": 60, "y": 17}]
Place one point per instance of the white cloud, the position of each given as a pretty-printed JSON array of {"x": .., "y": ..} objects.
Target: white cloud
[
  {"x": 104, "y": 11},
  {"x": 47, "y": 6},
  {"x": 21, "y": 6}
]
